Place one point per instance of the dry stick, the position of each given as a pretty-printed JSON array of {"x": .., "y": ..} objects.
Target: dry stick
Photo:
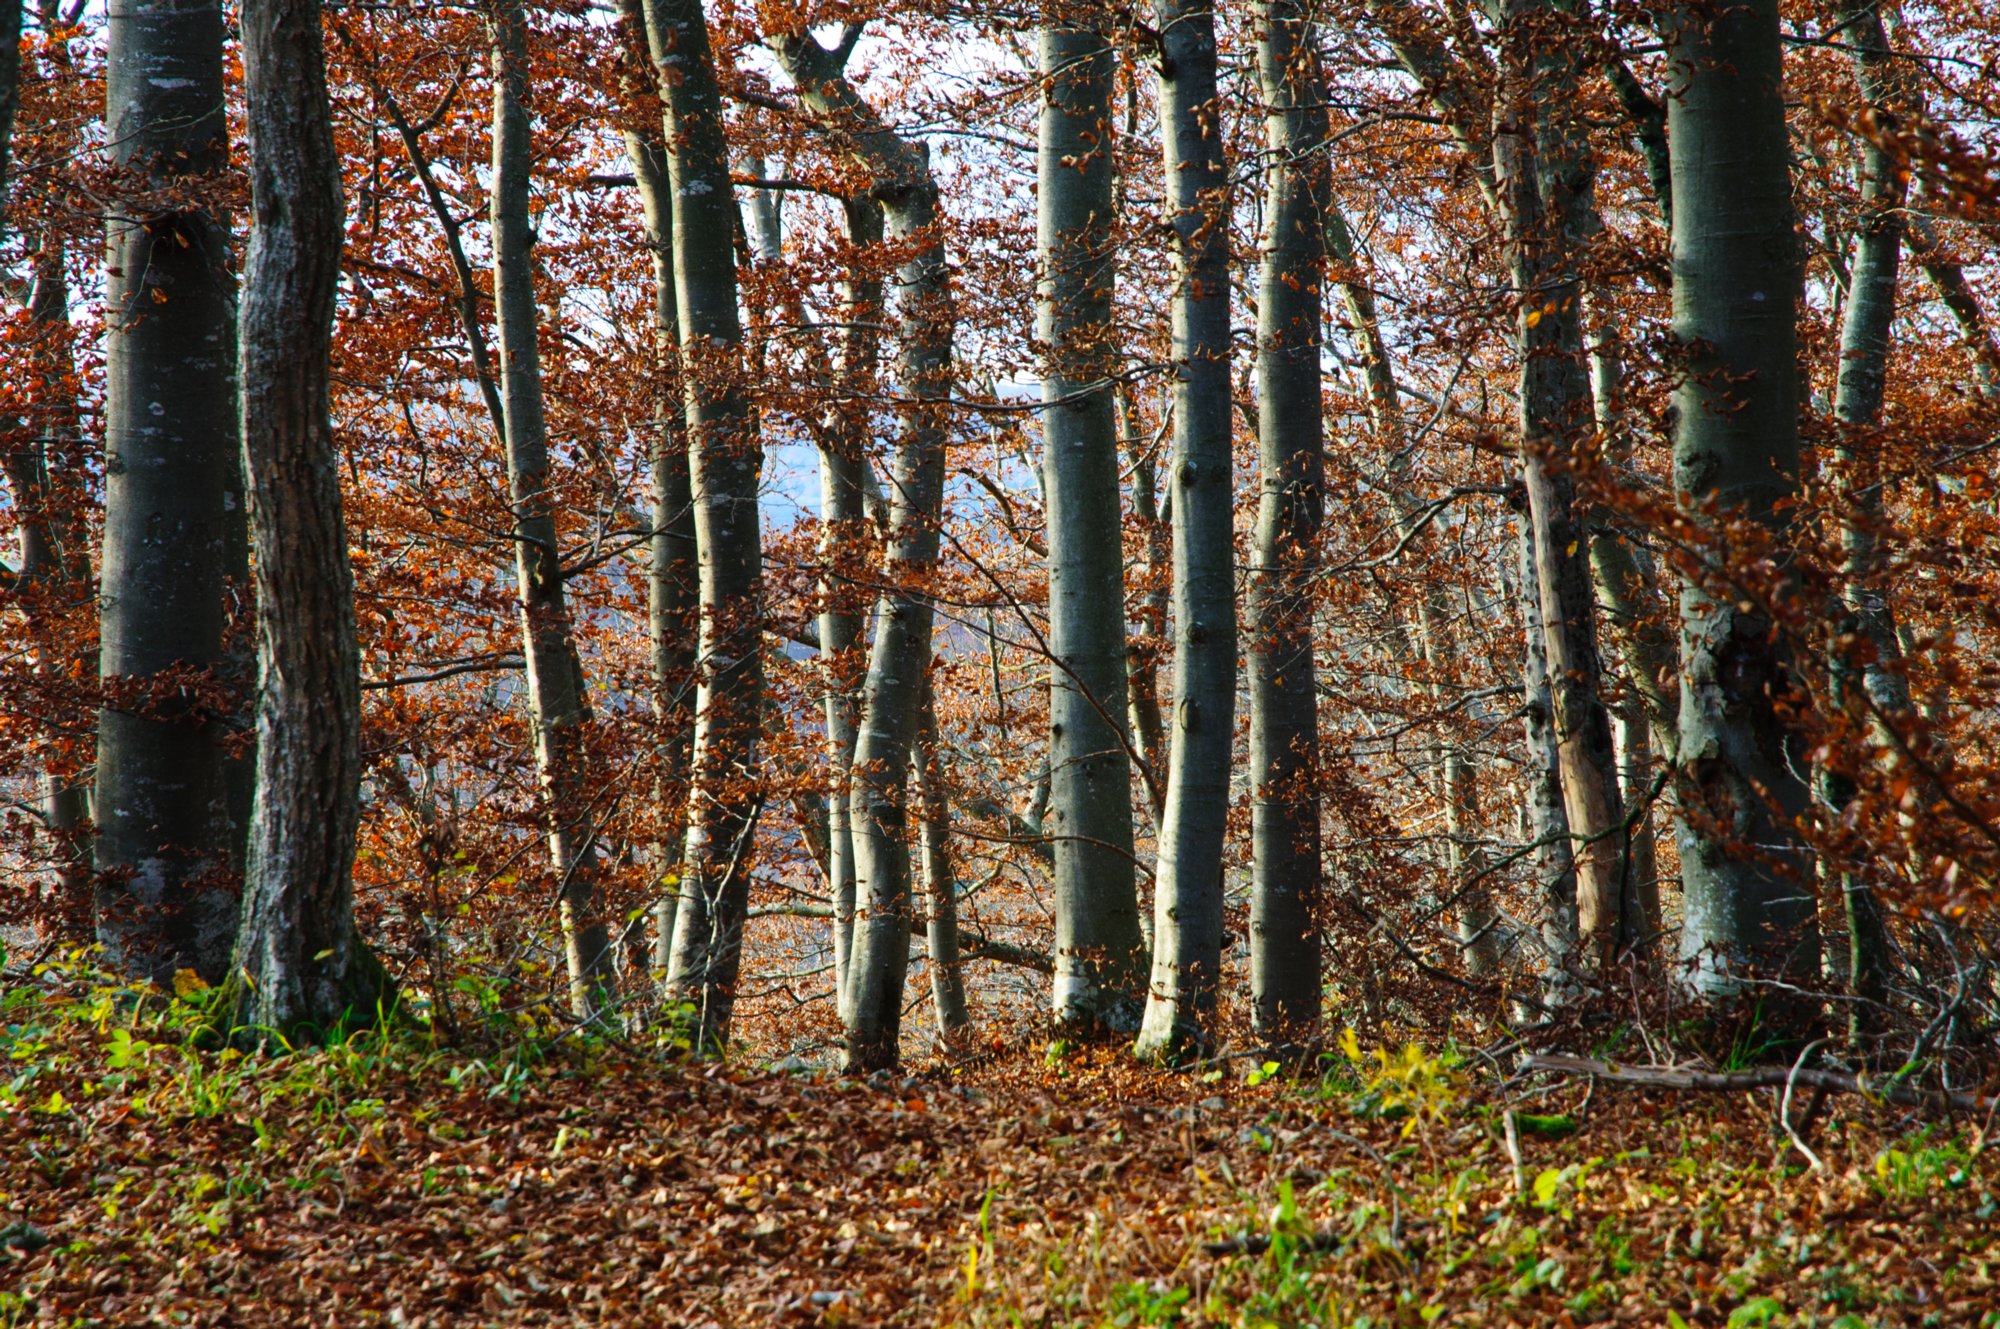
[{"x": 1763, "y": 1077}]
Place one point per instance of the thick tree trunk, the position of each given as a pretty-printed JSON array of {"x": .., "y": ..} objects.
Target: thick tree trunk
[
  {"x": 900, "y": 177},
  {"x": 1284, "y": 706},
  {"x": 1746, "y": 877},
  {"x": 672, "y": 581},
  {"x": 300, "y": 968},
  {"x": 843, "y": 535},
  {"x": 1187, "y": 902},
  {"x": 557, "y": 706},
  {"x": 168, "y": 842},
  {"x": 1542, "y": 181},
  {"x": 725, "y": 460},
  {"x": 1100, "y": 963}
]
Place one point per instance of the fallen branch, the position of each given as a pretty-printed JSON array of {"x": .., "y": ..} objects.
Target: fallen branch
[{"x": 1763, "y": 1077}]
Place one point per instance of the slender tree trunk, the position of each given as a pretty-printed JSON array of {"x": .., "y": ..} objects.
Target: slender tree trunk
[
  {"x": 843, "y": 534},
  {"x": 1866, "y": 614},
  {"x": 725, "y": 460},
  {"x": 303, "y": 969},
  {"x": 1142, "y": 648},
  {"x": 1479, "y": 935},
  {"x": 1746, "y": 876},
  {"x": 1187, "y": 901},
  {"x": 167, "y": 842},
  {"x": 1554, "y": 856},
  {"x": 53, "y": 583},
  {"x": 1284, "y": 705},
  {"x": 1100, "y": 963},
  {"x": 940, "y": 889},
  {"x": 1542, "y": 179},
  {"x": 11, "y": 12},
  {"x": 559, "y": 710},
  {"x": 672, "y": 583},
  {"x": 900, "y": 177}
]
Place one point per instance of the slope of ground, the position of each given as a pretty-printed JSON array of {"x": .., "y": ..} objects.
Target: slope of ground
[{"x": 390, "y": 1182}]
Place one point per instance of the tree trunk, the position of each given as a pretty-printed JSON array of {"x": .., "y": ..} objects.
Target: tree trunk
[
  {"x": 1554, "y": 856},
  {"x": 10, "y": 95},
  {"x": 1284, "y": 705},
  {"x": 53, "y": 584},
  {"x": 1100, "y": 963},
  {"x": 672, "y": 587},
  {"x": 900, "y": 177},
  {"x": 1746, "y": 875},
  {"x": 167, "y": 842},
  {"x": 300, "y": 968},
  {"x": 1187, "y": 901},
  {"x": 844, "y": 533},
  {"x": 1142, "y": 647},
  {"x": 1479, "y": 937},
  {"x": 559, "y": 711},
  {"x": 1866, "y": 614},
  {"x": 940, "y": 888},
  {"x": 725, "y": 460},
  {"x": 1542, "y": 180}
]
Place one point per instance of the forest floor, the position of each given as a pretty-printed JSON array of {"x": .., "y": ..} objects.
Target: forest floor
[{"x": 390, "y": 1181}]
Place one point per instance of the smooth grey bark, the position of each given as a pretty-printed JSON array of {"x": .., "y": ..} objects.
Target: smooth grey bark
[
  {"x": 672, "y": 575},
  {"x": 1284, "y": 705},
  {"x": 300, "y": 968},
  {"x": 724, "y": 460},
  {"x": 899, "y": 177},
  {"x": 1746, "y": 876},
  {"x": 558, "y": 709},
  {"x": 1883, "y": 696},
  {"x": 939, "y": 886},
  {"x": 1946, "y": 276},
  {"x": 168, "y": 841},
  {"x": 1543, "y": 175},
  {"x": 1187, "y": 894},
  {"x": 1100, "y": 960},
  {"x": 844, "y": 534}
]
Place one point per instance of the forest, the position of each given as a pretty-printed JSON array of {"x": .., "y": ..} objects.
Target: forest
[{"x": 734, "y": 662}]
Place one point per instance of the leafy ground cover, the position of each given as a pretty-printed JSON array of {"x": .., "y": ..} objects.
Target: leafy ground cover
[{"x": 387, "y": 1180}]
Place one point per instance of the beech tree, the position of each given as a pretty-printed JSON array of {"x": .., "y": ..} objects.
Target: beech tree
[
  {"x": 1744, "y": 873},
  {"x": 169, "y": 834},
  {"x": 1099, "y": 950},
  {"x": 1187, "y": 911}
]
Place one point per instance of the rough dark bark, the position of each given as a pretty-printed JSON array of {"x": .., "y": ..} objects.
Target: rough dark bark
[
  {"x": 300, "y": 969},
  {"x": 1284, "y": 705},
  {"x": 558, "y": 708},
  {"x": 1187, "y": 900},
  {"x": 168, "y": 840},
  {"x": 11, "y": 12},
  {"x": 1100, "y": 963},
  {"x": 724, "y": 462},
  {"x": 1746, "y": 876}
]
